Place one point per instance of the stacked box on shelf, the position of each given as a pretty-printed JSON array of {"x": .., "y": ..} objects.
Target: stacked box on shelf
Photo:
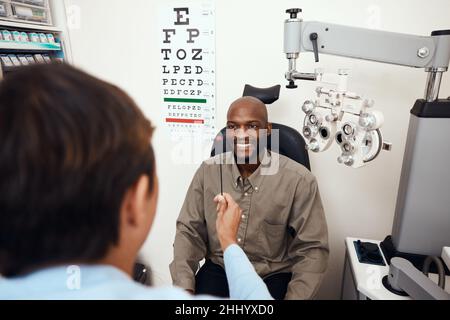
[{"x": 20, "y": 48}]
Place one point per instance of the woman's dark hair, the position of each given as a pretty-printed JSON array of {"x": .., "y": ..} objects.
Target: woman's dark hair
[{"x": 70, "y": 147}]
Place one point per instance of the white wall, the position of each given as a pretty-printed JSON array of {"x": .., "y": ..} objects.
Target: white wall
[{"x": 117, "y": 41}]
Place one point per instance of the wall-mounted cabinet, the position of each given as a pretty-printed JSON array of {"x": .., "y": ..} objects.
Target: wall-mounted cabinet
[{"x": 29, "y": 35}]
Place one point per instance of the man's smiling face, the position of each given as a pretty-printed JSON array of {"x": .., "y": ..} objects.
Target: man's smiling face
[{"x": 245, "y": 118}]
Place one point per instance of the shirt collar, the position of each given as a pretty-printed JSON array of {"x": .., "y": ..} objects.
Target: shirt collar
[{"x": 256, "y": 178}]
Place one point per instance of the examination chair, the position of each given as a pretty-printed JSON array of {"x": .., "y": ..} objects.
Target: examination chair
[{"x": 292, "y": 144}]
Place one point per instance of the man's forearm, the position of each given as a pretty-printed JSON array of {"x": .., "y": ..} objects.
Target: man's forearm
[
  {"x": 183, "y": 273},
  {"x": 304, "y": 286},
  {"x": 307, "y": 275},
  {"x": 188, "y": 252}
]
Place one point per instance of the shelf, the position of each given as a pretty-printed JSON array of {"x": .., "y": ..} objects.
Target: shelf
[
  {"x": 29, "y": 46},
  {"x": 14, "y": 23}
]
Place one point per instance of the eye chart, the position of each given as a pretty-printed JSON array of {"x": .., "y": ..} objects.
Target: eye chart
[{"x": 188, "y": 95}]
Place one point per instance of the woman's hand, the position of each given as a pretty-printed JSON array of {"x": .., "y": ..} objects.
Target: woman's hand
[{"x": 228, "y": 220}]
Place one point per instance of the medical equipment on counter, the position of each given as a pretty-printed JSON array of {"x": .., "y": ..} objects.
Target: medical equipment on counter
[
  {"x": 422, "y": 217},
  {"x": 365, "y": 275},
  {"x": 404, "y": 278}
]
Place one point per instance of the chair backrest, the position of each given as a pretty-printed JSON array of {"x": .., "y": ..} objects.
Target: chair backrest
[{"x": 292, "y": 144}]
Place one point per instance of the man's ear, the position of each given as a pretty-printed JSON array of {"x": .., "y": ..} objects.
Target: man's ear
[
  {"x": 135, "y": 201},
  {"x": 269, "y": 129}
]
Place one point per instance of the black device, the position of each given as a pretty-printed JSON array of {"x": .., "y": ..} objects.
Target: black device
[
  {"x": 369, "y": 253},
  {"x": 141, "y": 274}
]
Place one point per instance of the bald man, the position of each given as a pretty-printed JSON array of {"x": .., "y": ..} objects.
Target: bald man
[{"x": 282, "y": 230}]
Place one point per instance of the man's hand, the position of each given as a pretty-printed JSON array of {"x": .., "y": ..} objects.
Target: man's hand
[{"x": 228, "y": 219}]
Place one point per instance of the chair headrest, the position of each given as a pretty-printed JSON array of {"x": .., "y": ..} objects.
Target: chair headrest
[{"x": 266, "y": 95}]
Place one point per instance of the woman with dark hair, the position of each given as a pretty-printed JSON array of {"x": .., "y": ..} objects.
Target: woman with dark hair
[{"x": 78, "y": 192}]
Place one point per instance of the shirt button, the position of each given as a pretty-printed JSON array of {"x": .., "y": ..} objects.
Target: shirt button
[
  {"x": 256, "y": 188},
  {"x": 243, "y": 216},
  {"x": 239, "y": 240},
  {"x": 246, "y": 194}
]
